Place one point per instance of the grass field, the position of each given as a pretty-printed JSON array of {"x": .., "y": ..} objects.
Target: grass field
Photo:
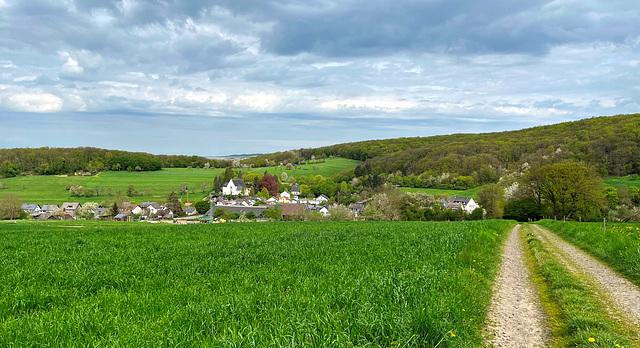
[
  {"x": 618, "y": 181},
  {"x": 252, "y": 284},
  {"x": 618, "y": 247},
  {"x": 50, "y": 189},
  {"x": 473, "y": 193}
]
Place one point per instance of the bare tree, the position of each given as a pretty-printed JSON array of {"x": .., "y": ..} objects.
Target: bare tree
[{"x": 10, "y": 206}]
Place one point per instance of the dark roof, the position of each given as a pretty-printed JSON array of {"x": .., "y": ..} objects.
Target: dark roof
[
  {"x": 294, "y": 209},
  {"x": 456, "y": 199},
  {"x": 30, "y": 206},
  {"x": 238, "y": 182},
  {"x": 257, "y": 211},
  {"x": 356, "y": 206},
  {"x": 295, "y": 188},
  {"x": 145, "y": 205}
]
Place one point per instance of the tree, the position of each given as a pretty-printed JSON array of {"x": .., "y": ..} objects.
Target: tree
[
  {"x": 3, "y": 185},
  {"x": 274, "y": 213},
  {"x": 8, "y": 169},
  {"x": 340, "y": 213},
  {"x": 305, "y": 190},
  {"x": 11, "y": 206},
  {"x": 183, "y": 188},
  {"x": 114, "y": 210},
  {"x": 173, "y": 203},
  {"x": 570, "y": 189},
  {"x": 76, "y": 190},
  {"x": 204, "y": 187},
  {"x": 524, "y": 209},
  {"x": 202, "y": 206},
  {"x": 89, "y": 209},
  {"x": 491, "y": 198},
  {"x": 130, "y": 190},
  {"x": 269, "y": 182}
]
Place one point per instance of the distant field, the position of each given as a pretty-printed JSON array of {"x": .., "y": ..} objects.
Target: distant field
[
  {"x": 50, "y": 189},
  {"x": 473, "y": 193},
  {"x": 625, "y": 180},
  {"x": 326, "y": 284}
]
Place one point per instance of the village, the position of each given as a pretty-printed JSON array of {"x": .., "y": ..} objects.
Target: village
[{"x": 234, "y": 204}]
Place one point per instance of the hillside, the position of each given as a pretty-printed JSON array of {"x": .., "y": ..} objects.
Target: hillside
[{"x": 611, "y": 144}]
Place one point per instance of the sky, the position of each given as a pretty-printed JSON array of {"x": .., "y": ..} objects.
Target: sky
[{"x": 237, "y": 76}]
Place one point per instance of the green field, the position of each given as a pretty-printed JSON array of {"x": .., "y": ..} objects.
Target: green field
[
  {"x": 252, "y": 285},
  {"x": 618, "y": 247},
  {"x": 618, "y": 181},
  {"x": 50, "y": 189},
  {"x": 473, "y": 193}
]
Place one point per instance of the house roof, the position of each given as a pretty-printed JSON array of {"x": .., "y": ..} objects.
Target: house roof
[
  {"x": 462, "y": 200},
  {"x": 356, "y": 206},
  {"x": 48, "y": 207},
  {"x": 295, "y": 188},
  {"x": 145, "y": 205},
  {"x": 240, "y": 209},
  {"x": 71, "y": 205},
  {"x": 294, "y": 209},
  {"x": 30, "y": 206},
  {"x": 238, "y": 183}
]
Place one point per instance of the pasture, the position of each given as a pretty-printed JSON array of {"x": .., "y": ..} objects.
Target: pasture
[
  {"x": 253, "y": 284},
  {"x": 154, "y": 186},
  {"x": 473, "y": 193}
]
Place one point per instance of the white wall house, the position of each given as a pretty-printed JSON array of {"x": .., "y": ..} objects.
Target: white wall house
[
  {"x": 466, "y": 203},
  {"x": 235, "y": 187}
]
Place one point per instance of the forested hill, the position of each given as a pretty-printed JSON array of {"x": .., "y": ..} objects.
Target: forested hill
[
  {"x": 610, "y": 144},
  {"x": 46, "y": 161}
]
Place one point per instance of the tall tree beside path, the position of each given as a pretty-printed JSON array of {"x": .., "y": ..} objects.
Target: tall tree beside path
[
  {"x": 570, "y": 189},
  {"x": 10, "y": 206},
  {"x": 491, "y": 198}
]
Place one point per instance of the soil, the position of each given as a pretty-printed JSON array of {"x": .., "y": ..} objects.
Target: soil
[{"x": 516, "y": 318}]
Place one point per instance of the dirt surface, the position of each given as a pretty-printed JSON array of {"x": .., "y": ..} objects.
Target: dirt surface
[
  {"x": 515, "y": 315},
  {"x": 623, "y": 295}
]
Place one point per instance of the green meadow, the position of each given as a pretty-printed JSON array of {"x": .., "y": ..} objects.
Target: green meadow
[
  {"x": 473, "y": 193},
  {"x": 330, "y": 284},
  {"x": 51, "y": 189},
  {"x": 618, "y": 181}
]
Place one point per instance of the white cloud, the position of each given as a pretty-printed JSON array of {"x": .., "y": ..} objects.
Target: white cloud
[
  {"x": 258, "y": 101},
  {"x": 35, "y": 102},
  {"x": 385, "y": 104},
  {"x": 71, "y": 66}
]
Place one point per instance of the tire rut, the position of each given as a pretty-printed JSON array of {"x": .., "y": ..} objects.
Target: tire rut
[
  {"x": 516, "y": 318},
  {"x": 622, "y": 296}
]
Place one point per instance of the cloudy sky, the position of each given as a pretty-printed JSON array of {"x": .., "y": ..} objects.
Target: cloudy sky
[{"x": 237, "y": 76}]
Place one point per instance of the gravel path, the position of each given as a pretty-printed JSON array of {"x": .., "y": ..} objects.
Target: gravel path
[
  {"x": 515, "y": 316},
  {"x": 621, "y": 293}
]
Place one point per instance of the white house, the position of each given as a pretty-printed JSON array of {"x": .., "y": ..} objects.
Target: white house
[
  {"x": 285, "y": 194},
  {"x": 466, "y": 203},
  {"x": 295, "y": 190},
  {"x": 136, "y": 210},
  {"x": 322, "y": 198},
  {"x": 235, "y": 187}
]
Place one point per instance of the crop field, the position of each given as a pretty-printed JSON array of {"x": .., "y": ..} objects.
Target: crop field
[
  {"x": 618, "y": 247},
  {"x": 51, "y": 189},
  {"x": 251, "y": 284},
  {"x": 473, "y": 193}
]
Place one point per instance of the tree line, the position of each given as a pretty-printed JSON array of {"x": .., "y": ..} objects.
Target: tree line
[
  {"x": 611, "y": 145},
  {"x": 55, "y": 161}
]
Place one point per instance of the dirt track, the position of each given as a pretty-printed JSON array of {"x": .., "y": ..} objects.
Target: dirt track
[
  {"x": 621, "y": 294},
  {"x": 515, "y": 315}
]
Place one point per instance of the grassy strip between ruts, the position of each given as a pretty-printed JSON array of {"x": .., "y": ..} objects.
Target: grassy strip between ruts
[
  {"x": 331, "y": 284},
  {"x": 577, "y": 318},
  {"x": 619, "y": 246}
]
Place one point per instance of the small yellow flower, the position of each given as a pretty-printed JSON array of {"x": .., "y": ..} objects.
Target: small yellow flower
[
  {"x": 617, "y": 345},
  {"x": 452, "y": 334},
  {"x": 463, "y": 310},
  {"x": 474, "y": 260},
  {"x": 591, "y": 339}
]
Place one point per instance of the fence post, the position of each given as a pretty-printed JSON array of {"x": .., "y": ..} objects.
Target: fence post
[{"x": 604, "y": 225}]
